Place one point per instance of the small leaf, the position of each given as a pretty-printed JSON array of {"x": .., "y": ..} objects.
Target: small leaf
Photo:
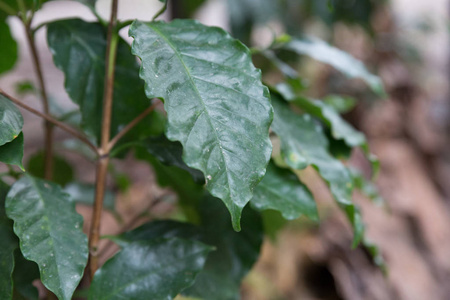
[
  {"x": 302, "y": 144},
  {"x": 158, "y": 269},
  {"x": 170, "y": 153},
  {"x": 8, "y": 50},
  {"x": 79, "y": 49},
  {"x": 12, "y": 152},
  {"x": 11, "y": 121},
  {"x": 8, "y": 245},
  {"x": 337, "y": 58},
  {"x": 281, "y": 190},
  {"x": 50, "y": 233},
  {"x": 341, "y": 104},
  {"x": 216, "y": 104},
  {"x": 62, "y": 170}
]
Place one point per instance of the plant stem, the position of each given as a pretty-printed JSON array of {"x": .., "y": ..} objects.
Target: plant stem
[
  {"x": 131, "y": 125},
  {"x": 51, "y": 120},
  {"x": 48, "y": 127},
  {"x": 102, "y": 164}
]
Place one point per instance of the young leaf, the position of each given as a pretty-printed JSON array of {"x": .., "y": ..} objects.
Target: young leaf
[
  {"x": 216, "y": 104},
  {"x": 158, "y": 269},
  {"x": 11, "y": 121},
  {"x": 50, "y": 233},
  {"x": 8, "y": 50},
  {"x": 9, "y": 244},
  {"x": 79, "y": 51},
  {"x": 281, "y": 190},
  {"x": 303, "y": 143},
  {"x": 337, "y": 58},
  {"x": 12, "y": 152}
]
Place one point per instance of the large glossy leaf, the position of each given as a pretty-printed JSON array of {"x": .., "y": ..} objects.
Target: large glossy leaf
[
  {"x": 8, "y": 245},
  {"x": 303, "y": 143},
  {"x": 12, "y": 152},
  {"x": 11, "y": 121},
  {"x": 170, "y": 153},
  {"x": 79, "y": 50},
  {"x": 158, "y": 269},
  {"x": 340, "y": 60},
  {"x": 8, "y": 50},
  {"x": 281, "y": 190},
  {"x": 235, "y": 253},
  {"x": 62, "y": 170},
  {"x": 50, "y": 233},
  {"x": 216, "y": 105}
]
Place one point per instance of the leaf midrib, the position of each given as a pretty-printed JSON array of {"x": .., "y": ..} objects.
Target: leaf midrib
[{"x": 178, "y": 54}]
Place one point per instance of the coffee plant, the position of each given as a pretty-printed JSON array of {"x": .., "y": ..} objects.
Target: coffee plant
[{"x": 187, "y": 99}]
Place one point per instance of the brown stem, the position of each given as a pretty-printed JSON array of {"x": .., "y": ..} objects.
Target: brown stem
[
  {"x": 131, "y": 125},
  {"x": 48, "y": 128},
  {"x": 51, "y": 120},
  {"x": 102, "y": 165}
]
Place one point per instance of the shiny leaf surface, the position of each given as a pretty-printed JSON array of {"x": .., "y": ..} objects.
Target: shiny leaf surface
[
  {"x": 158, "y": 269},
  {"x": 216, "y": 105},
  {"x": 78, "y": 49},
  {"x": 11, "y": 121},
  {"x": 50, "y": 233},
  {"x": 340, "y": 60},
  {"x": 12, "y": 152},
  {"x": 281, "y": 190},
  {"x": 303, "y": 143}
]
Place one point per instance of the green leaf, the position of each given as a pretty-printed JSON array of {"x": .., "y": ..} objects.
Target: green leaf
[
  {"x": 235, "y": 254},
  {"x": 25, "y": 272},
  {"x": 8, "y": 50},
  {"x": 341, "y": 104},
  {"x": 62, "y": 170},
  {"x": 170, "y": 153},
  {"x": 11, "y": 121},
  {"x": 302, "y": 144},
  {"x": 281, "y": 190},
  {"x": 50, "y": 233},
  {"x": 9, "y": 244},
  {"x": 79, "y": 51},
  {"x": 340, "y": 129},
  {"x": 216, "y": 104},
  {"x": 156, "y": 269},
  {"x": 366, "y": 187},
  {"x": 340, "y": 60},
  {"x": 12, "y": 152},
  {"x": 84, "y": 193}
]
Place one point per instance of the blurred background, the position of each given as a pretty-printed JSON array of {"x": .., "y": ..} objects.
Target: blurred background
[{"x": 405, "y": 42}]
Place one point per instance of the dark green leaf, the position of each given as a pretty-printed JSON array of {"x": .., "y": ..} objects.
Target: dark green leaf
[
  {"x": 8, "y": 50},
  {"x": 50, "y": 233},
  {"x": 216, "y": 105},
  {"x": 8, "y": 245},
  {"x": 273, "y": 222},
  {"x": 25, "y": 87},
  {"x": 25, "y": 272},
  {"x": 235, "y": 254},
  {"x": 79, "y": 51},
  {"x": 337, "y": 58},
  {"x": 303, "y": 143},
  {"x": 158, "y": 269},
  {"x": 376, "y": 254},
  {"x": 12, "y": 152},
  {"x": 62, "y": 171},
  {"x": 170, "y": 153},
  {"x": 84, "y": 193},
  {"x": 11, "y": 121},
  {"x": 281, "y": 190}
]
